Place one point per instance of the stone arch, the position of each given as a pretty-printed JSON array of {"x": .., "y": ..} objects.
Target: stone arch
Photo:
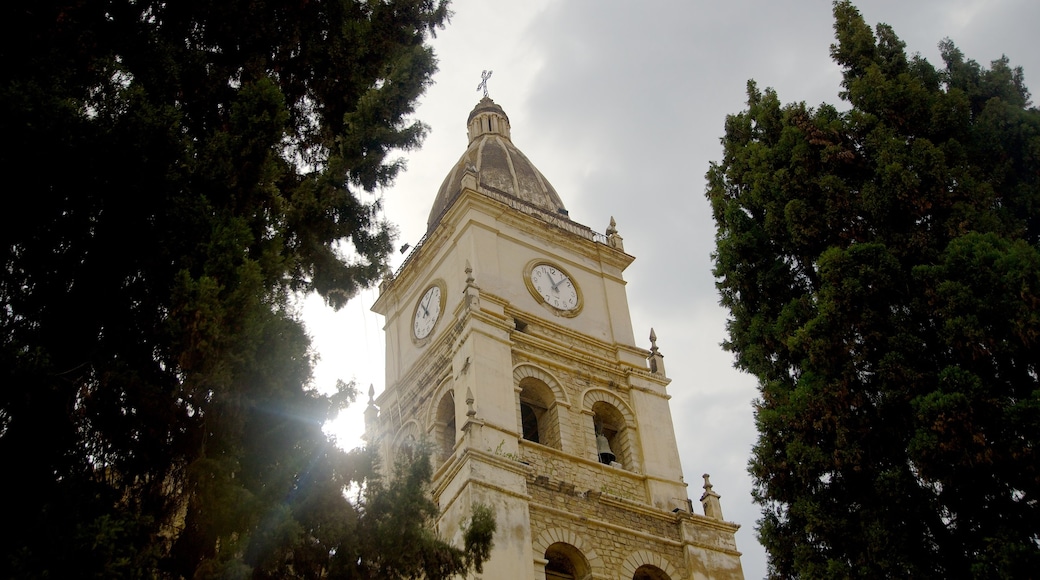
[
  {"x": 445, "y": 385},
  {"x": 614, "y": 420},
  {"x": 408, "y": 434},
  {"x": 540, "y": 400},
  {"x": 524, "y": 370},
  {"x": 564, "y": 536},
  {"x": 565, "y": 552},
  {"x": 593, "y": 396},
  {"x": 444, "y": 431},
  {"x": 565, "y": 562},
  {"x": 407, "y": 440},
  {"x": 647, "y": 565},
  {"x": 441, "y": 420}
]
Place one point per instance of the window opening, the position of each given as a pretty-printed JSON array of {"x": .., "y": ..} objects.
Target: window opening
[
  {"x": 446, "y": 425},
  {"x": 529, "y": 421},
  {"x": 539, "y": 422},
  {"x": 609, "y": 425},
  {"x": 565, "y": 562},
  {"x": 649, "y": 572}
]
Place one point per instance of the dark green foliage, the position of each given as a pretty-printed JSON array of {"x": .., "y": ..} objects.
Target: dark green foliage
[
  {"x": 882, "y": 270},
  {"x": 185, "y": 170},
  {"x": 394, "y": 538}
]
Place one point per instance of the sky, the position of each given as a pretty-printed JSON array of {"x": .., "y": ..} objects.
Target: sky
[{"x": 621, "y": 105}]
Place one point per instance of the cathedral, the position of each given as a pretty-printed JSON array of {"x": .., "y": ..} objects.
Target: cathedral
[{"x": 510, "y": 349}]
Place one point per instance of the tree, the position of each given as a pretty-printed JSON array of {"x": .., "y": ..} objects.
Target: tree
[
  {"x": 882, "y": 272},
  {"x": 187, "y": 169}
]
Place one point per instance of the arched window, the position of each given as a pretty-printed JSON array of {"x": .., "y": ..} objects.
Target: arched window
[
  {"x": 650, "y": 572},
  {"x": 405, "y": 449},
  {"x": 444, "y": 426},
  {"x": 529, "y": 422},
  {"x": 539, "y": 421},
  {"x": 610, "y": 425},
  {"x": 565, "y": 562}
]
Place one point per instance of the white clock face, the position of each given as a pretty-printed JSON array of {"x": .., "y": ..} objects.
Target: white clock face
[
  {"x": 554, "y": 287},
  {"x": 427, "y": 312}
]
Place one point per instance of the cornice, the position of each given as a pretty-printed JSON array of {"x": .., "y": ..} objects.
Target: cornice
[
  {"x": 508, "y": 211},
  {"x": 433, "y": 356},
  {"x": 642, "y": 509},
  {"x": 579, "y": 347},
  {"x": 417, "y": 262}
]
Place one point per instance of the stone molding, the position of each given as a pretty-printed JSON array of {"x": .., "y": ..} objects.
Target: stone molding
[{"x": 644, "y": 557}]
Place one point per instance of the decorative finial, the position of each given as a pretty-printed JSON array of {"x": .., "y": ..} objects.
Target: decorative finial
[
  {"x": 472, "y": 291},
  {"x": 613, "y": 239},
  {"x": 469, "y": 403},
  {"x": 656, "y": 358},
  {"x": 371, "y": 415},
  {"x": 710, "y": 500},
  {"x": 484, "y": 76}
]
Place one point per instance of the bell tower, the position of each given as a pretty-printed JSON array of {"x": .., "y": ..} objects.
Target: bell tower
[{"x": 509, "y": 347}]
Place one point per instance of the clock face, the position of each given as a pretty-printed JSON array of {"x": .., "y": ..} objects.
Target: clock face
[
  {"x": 554, "y": 287},
  {"x": 427, "y": 312}
]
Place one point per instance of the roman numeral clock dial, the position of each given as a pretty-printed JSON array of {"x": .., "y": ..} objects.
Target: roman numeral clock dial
[{"x": 553, "y": 287}]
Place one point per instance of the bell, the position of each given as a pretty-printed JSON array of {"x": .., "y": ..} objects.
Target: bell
[{"x": 606, "y": 456}]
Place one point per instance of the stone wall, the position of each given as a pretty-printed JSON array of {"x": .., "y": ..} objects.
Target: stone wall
[
  {"x": 583, "y": 474},
  {"x": 615, "y": 536}
]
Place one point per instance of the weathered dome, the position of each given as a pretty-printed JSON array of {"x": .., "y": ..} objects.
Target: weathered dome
[{"x": 500, "y": 167}]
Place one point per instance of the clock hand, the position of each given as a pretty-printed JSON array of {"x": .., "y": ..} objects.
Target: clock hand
[{"x": 553, "y": 282}]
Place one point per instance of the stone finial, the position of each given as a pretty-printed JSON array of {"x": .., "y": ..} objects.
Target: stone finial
[
  {"x": 469, "y": 176},
  {"x": 614, "y": 240},
  {"x": 388, "y": 279},
  {"x": 710, "y": 500},
  {"x": 655, "y": 358},
  {"x": 371, "y": 412},
  {"x": 470, "y": 412},
  {"x": 472, "y": 291}
]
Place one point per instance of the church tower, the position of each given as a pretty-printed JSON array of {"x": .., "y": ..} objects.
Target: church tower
[{"x": 509, "y": 347}]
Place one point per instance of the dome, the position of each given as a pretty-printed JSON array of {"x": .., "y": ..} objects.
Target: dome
[{"x": 500, "y": 168}]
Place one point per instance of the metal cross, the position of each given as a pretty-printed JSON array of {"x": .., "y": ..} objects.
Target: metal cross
[{"x": 484, "y": 76}]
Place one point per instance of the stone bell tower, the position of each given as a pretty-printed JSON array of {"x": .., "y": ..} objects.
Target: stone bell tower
[{"x": 509, "y": 346}]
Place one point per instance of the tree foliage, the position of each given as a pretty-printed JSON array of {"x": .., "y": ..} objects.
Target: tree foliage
[
  {"x": 881, "y": 265},
  {"x": 185, "y": 170}
]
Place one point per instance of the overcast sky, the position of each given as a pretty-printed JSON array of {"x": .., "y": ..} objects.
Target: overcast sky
[{"x": 621, "y": 105}]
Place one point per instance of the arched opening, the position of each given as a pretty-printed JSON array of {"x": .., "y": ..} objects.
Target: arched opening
[
  {"x": 650, "y": 572},
  {"x": 444, "y": 427},
  {"x": 529, "y": 423},
  {"x": 610, "y": 425},
  {"x": 404, "y": 449},
  {"x": 539, "y": 422},
  {"x": 565, "y": 562}
]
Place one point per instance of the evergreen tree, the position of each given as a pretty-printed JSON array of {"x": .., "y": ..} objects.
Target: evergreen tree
[
  {"x": 186, "y": 169},
  {"x": 882, "y": 270}
]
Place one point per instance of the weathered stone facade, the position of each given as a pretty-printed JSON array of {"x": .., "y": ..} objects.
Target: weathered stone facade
[{"x": 544, "y": 410}]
